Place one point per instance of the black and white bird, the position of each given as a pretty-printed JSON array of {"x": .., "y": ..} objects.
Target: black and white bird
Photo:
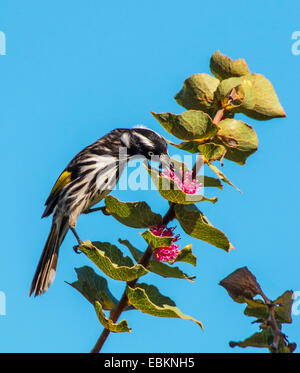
[{"x": 86, "y": 180}]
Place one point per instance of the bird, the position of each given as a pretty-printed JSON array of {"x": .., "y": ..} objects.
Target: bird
[{"x": 87, "y": 179}]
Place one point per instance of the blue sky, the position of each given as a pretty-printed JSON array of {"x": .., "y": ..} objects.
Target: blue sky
[{"x": 72, "y": 72}]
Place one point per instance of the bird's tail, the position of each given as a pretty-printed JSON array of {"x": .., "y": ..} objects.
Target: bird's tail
[{"x": 46, "y": 269}]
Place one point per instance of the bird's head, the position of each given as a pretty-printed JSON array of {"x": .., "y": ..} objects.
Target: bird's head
[{"x": 145, "y": 143}]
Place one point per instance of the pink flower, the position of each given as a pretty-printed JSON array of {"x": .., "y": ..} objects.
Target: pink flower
[
  {"x": 185, "y": 183},
  {"x": 163, "y": 231},
  {"x": 165, "y": 253}
]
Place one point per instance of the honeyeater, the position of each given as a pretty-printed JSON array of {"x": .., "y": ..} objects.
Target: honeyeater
[{"x": 86, "y": 180}]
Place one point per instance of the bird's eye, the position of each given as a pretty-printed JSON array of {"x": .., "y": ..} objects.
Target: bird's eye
[{"x": 151, "y": 154}]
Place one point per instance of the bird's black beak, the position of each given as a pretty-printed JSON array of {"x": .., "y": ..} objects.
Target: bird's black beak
[{"x": 166, "y": 161}]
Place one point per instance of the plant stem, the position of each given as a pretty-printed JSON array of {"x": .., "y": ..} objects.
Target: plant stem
[
  {"x": 199, "y": 162},
  {"x": 169, "y": 216},
  {"x": 123, "y": 303},
  {"x": 219, "y": 115},
  {"x": 272, "y": 322}
]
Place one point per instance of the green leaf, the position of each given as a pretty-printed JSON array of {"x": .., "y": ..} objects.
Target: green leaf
[
  {"x": 287, "y": 348},
  {"x": 264, "y": 339},
  {"x": 239, "y": 139},
  {"x": 137, "y": 254},
  {"x": 132, "y": 214},
  {"x": 186, "y": 255},
  {"x": 161, "y": 269},
  {"x": 211, "y": 151},
  {"x": 266, "y": 104},
  {"x": 188, "y": 146},
  {"x": 261, "y": 339},
  {"x": 210, "y": 182},
  {"x": 94, "y": 287},
  {"x": 282, "y": 310},
  {"x": 111, "y": 261},
  {"x": 180, "y": 166},
  {"x": 224, "y": 67},
  {"x": 157, "y": 241},
  {"x": 189, "y": 125},
  {"x": 221, "y": 176},
  {"x": 255, "y": 97},
  {"x": 235, "y": 141},
  {"x": 256, "y": 308},
  {"x": 255, "y": 94},
  {"x": 284, "y": 307},
  {"x": 120, "y": 327},
  {"x": 194, "y": 223},
  {"x": 167, "y": 271},
  {"x": 171, "y": 191},
  {"x": 148, "y": 299},
  {"x": 235, "y": 94},
  {"x": 198, "y": 92}
]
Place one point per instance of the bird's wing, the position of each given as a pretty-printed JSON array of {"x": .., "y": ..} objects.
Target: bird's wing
[{"x": 64, "y": 179}]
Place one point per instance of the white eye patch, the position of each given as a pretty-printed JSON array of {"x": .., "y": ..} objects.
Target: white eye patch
[{"x": 147, "y": 142}]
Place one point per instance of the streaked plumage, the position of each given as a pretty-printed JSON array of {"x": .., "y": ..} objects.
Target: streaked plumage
[{"x": 86, "y": 180}]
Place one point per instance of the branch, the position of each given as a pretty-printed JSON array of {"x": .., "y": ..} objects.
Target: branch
[
  {"x": 123, "y": 303},
  {"x": 277, "y": 333},
  {"x": 169, "y": 216},
  {"x": 219, "y": 114},
  {"x": 242, "y": 284}
]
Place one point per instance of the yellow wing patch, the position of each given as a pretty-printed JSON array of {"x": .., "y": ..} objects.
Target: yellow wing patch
[{"x": 63, "y": 180}]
